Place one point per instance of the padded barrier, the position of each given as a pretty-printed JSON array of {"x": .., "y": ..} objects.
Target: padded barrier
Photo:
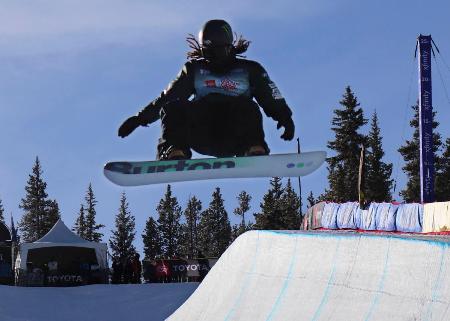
[
  {"x": 365, "y": 219},
  {"x": 412, "y": 218},
  {"x": 436, "y": 217},
  {"x": 346, "y": 215},
  {"x": 329, "y": 215},
  {"x": 385, "y": 217},
  {"x": 409, "y": 218},
  {"x": 313, "y": 217}
]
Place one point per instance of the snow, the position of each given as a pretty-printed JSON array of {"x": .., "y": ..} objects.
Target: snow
[
  {"x": 131, "y": 302},
  {"x": 335, "y": 275}
]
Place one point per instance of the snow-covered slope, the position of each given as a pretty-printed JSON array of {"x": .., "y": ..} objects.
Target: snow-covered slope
[
  {"x": 342, "y": 276},
  {"x": 149, "y": 302}
]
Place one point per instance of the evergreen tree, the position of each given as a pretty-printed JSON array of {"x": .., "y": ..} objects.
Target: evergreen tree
[
  {"x": 311, "y": 200},
  {"x": 215, "y": 228},
  {"x": 190, "y": 229},
  {"x": 121, "y": 242},
  {"x": 2, "y": 212},
  {"x": 80, "y": 223},
  {"x": 270, "y": 217},
  {"x": 411, "y": 155},
  {"x": 169, "y": 223},
  {"x": 151, "y": 239},
  {"x": 243, "y": 205},
  {"x": 290, "y": 204},
  {"x": 343, "y": 167},
  {"x": 378, "y": 174},
  {"x": 239, "y": 229},
  {"x": 91, "y": 226},
  {"x": 443, "y": 176},
  {"x": 52, "y": 215},
  {"x": 40, "y": 213}
]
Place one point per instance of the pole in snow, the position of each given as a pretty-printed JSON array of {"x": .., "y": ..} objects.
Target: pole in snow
[{"x": 299, "y": 181}]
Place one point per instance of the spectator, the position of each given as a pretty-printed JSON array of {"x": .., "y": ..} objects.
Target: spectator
[
  {"x": 117, "y": 272},
  {"x": 52, "y": 265},
  {"x": 136, "y": 269}
]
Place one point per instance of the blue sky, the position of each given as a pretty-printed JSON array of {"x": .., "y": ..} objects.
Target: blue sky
[{"x": 70, "y": 73}]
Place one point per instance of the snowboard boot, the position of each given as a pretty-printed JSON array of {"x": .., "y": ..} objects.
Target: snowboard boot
[
  {"x": 174, "y": 153},
  {"x": 256, "y": 150}
]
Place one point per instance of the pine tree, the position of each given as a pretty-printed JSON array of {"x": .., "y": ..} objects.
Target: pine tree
[
  {"x": 443, "y": 176},
  {"x": 411, "y": 155},
  {"x": 243, "y": 205},
  {"x": 151, "y": 239},
  {"x": 53, "y": 215},
  {"x": 40, "y": 213},
  {"x": 2, "y": 212},
  {"x": 80, "y": 223},
  {"x": 215, "y": 228},
  {"x": 237, "y": 229},
  {"x": 378, "y": 173},
  {"x": 190, "y": 229},
  {"x": 169, "y": 223},
  {"x": 121, "y": 241},
  {"x": 91, "y": 226},
  {"x": 290, "y": 204},
  {"x": 311, "y": 200},
  {"x": 343, "y": 167},
  {"x": 271, "y": 208}
]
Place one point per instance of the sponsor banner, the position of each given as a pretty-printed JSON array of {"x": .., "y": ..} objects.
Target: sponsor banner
[
  {"x": 177, "y": 268},
  {"x": 65, "y": 279},
  {"x": 426, "y": 121}
]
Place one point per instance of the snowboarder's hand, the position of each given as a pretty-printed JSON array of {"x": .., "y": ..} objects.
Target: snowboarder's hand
[
  {"x": 129, "y": 126},
  {"x": 289, "y": 128}
]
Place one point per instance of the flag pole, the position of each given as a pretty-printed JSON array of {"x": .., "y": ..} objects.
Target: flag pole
[{"x": 299, "y": 180}]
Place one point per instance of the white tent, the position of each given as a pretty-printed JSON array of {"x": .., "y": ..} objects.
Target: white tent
[{"x": 61, "y": 236}]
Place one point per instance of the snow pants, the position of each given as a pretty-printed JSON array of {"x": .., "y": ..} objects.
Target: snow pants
[{"x": 215, "y": 125}]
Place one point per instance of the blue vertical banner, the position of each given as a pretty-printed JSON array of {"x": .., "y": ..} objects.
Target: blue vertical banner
[{"x": 426, "y": 121}]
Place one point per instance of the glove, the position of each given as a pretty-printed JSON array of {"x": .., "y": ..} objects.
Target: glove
[
  {"x": 289, "y": 128},
  {"x": 129, "y": 126}
]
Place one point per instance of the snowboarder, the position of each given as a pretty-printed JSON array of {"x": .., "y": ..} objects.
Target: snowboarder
[{"x": 221, "y": 119}]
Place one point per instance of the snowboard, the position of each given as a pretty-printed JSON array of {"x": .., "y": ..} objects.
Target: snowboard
[{"x": 136, "y": 173}]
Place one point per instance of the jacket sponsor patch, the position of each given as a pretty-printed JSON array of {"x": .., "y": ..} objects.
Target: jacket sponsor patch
[
  {"x": 229, "y": 85},
  {"x": 210, "y": 83},
  {"x": 275, "y": 91}
]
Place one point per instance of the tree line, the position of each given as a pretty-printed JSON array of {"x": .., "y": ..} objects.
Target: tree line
[
  {"x": 343, "y": 167},
  {"x": 170, "y": 231},
  {"x": 201, "y": 229}
]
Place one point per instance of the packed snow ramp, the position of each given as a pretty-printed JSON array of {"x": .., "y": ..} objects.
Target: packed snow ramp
[{"x": 267, "y": 275}]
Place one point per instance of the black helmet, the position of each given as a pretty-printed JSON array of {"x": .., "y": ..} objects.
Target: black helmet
[
  {"x": 216, "y": 33},
  {"x": 216, "y": 41}
]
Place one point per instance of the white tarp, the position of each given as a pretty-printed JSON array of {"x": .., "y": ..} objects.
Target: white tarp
[
  {"x": 365, "y": 219},
  {"x": 409, "y": 218},
  {"x": 313, "y": 217},
  {"x": 346, "y": 215},
  {"x": 436, "y": 217},
  {"x": 385, "y": 216},
  {"x": 59, "y": 236},
  {"x": 329, "y": 215}
]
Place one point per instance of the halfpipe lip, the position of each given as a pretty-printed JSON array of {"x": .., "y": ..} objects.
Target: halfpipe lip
[{"x": 355, "y": 233}]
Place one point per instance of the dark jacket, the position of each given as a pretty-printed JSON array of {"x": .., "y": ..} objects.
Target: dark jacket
[{"x": 242, "y": 78}]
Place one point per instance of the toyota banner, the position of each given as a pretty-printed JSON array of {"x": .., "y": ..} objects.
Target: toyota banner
[{"x": 177, "y": 270}]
